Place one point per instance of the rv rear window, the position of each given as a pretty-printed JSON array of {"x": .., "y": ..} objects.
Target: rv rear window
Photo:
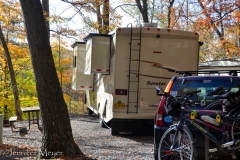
[{"x": 206, "y": 86}]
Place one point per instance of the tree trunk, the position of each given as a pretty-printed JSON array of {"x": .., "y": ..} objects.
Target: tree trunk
[
  {"x": 171, "y": 2},
  {"x": 12, "y": 76},
  {"x": 57, "y": 130},
  {"x": 143, "y": 9},
  {"x": 106, "y": 7},
  {"x": 45, "y": 6},
  {"x": 99, "y": 17}
]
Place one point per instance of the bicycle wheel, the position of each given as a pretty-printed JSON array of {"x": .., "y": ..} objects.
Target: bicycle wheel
[
  {"x": 183, "y": 147},
  {"x": 235, "y": 132}
]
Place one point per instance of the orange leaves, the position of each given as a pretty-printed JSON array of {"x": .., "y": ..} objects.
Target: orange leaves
[
  {"x": 237, "y": 15},
  {"x": 204, "y": 11},
  {"x": 18, "y": 51}
]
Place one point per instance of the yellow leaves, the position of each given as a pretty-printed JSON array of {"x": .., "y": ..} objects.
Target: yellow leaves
[
  {"x": 17, "y": 51},
  {"x": 236, "y": 15},
  {"x": 29, "y": 101},
  {"x": 67, "y": 97},
  {"x": 10, "y": 12}
]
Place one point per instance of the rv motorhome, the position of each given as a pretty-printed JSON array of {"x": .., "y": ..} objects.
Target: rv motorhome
[{"x": 118, "y": 72}]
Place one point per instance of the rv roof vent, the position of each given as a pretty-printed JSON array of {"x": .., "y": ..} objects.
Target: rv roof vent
[{"x": 154, "y": 25}]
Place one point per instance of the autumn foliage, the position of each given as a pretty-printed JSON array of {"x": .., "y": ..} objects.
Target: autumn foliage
[{"x": 217, "y": 22}]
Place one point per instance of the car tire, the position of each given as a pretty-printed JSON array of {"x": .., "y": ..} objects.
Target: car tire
[{"x": 155, "y": 156}]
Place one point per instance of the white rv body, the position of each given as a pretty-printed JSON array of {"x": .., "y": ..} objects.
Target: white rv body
[
  {"x": 133, "y": 62},
  {"x": 80, "y": 81},
  {"x": 221, "y": 67}
]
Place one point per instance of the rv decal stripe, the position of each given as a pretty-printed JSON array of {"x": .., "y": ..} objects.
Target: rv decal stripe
[
  {"x": 159, "y": 65},
  {"x": 146, "y": 75},
  {"x": 157, "y": 52}
]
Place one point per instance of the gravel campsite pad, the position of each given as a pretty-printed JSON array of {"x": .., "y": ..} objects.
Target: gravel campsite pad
[{"x": 94, "y": 141}]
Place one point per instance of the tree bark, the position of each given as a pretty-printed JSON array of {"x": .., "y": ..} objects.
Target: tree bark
[
  {"x": 45, "y": 6},
  {"x": 143, "y": 9},
  {"x": 171, "y": 2},
  {"x": 12, "y": 76},
  {"x": 99, "y": 17},
  {"x": 106, "y": 7},
  {"x": 220, "y": 33},
  {"x": 57, "y": 131}
]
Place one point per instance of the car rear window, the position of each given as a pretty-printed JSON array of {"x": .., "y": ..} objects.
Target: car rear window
[{"x": 183, "y": 85}]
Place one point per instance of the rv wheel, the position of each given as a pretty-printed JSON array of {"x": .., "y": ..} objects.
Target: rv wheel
[{"x": 89, "y": 111}]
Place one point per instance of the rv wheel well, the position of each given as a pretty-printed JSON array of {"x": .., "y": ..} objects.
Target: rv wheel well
[
  {"x": 104, "y": 109},
  {"x": 98, "y": 107}
]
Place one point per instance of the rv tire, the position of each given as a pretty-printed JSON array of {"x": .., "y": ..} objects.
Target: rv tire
[{"x": 89, "y": 111}]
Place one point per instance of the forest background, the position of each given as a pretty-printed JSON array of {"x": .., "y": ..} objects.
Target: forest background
[{"x": 216, "y": 21}]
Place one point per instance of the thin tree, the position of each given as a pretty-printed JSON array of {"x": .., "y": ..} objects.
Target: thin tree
[
  {"x": 171, "y": 2},
  {"x": 57, "y": 131},
  {"x": 12, "y": 76},
  {"x": 219, "y": 17},
  {"x": 103, "y": 12},
  {"x": 143, "y": 8}
]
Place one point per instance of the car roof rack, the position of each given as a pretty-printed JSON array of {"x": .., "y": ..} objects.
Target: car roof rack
[
  {"x": 219, "y": 72},
  {"x": 230, "y": 72}
]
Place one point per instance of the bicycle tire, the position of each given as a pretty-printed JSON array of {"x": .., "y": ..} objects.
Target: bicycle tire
[
  {"x": 185, "y": 150},
  {"x": 235, "y": 132}
]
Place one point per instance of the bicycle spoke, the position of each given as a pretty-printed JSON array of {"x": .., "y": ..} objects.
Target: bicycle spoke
[{"x": 182, "y": 146}]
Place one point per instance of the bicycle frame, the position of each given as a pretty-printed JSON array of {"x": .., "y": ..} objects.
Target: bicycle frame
[{"x": 195, "y": 123}]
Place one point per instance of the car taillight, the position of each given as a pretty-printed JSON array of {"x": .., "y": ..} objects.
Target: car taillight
[{"x": 160, "y": 112}]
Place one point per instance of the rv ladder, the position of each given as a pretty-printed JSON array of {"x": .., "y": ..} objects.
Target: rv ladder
[{"x": 133, "y": 70}]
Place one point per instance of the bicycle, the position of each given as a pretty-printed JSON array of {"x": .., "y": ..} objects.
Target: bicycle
[
  {"x": 177, "y": 142},
  {"x": 231, "y": 104}
]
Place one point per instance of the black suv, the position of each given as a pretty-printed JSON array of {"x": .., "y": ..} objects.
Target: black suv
[{"x": 178, "y": 86}]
